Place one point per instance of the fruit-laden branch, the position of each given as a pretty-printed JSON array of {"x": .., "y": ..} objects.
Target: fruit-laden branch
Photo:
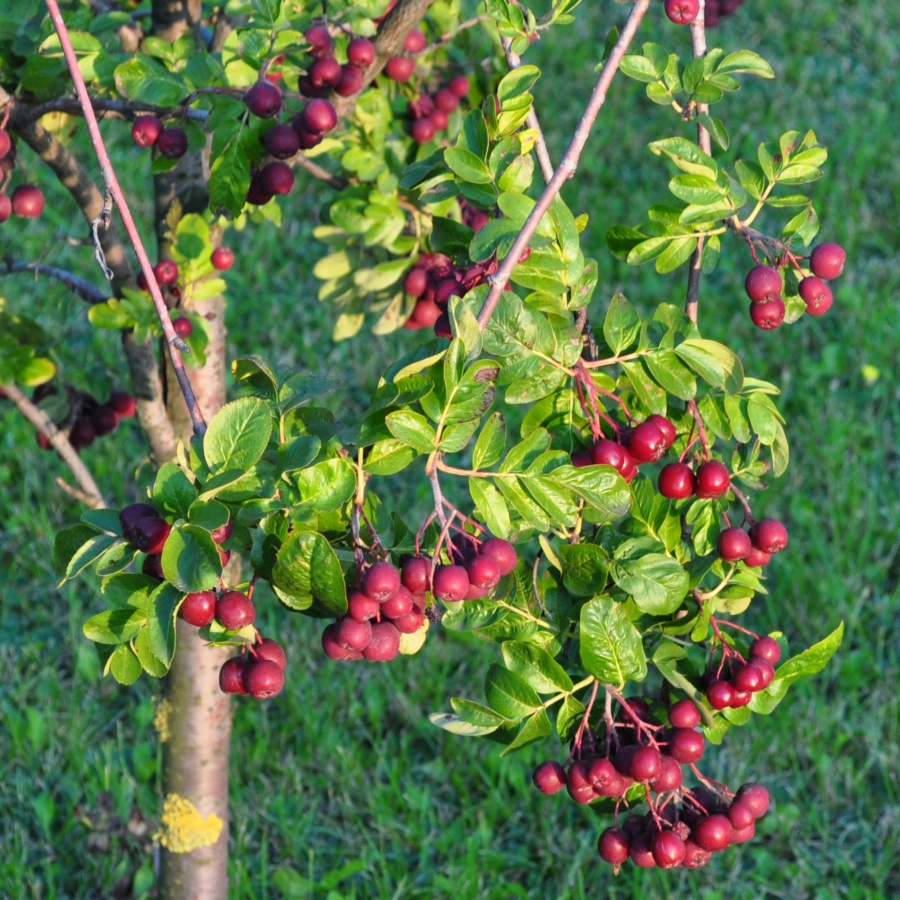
[
  {"x": 90, "y": 492},
  {"x": 112, "y": 185},
  {"x": 569, "y": 162},
  {"x": 698, "y": 50},
  {"x": 78, "y": 286},
  {"x": 120, "y": 109}
]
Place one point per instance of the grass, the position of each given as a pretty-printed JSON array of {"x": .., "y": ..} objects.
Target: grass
[{"x": 341, "y": 788}]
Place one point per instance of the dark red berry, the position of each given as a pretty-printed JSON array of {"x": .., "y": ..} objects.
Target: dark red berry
[
  {"x": 827, "y": 260},
  {"x": 353, "y": 633},
  {"x": 350, "y": 83},
  {"x": 756, "y": 797},
  {"x": 231, "y": 676},
  {"x": 150, "y": 534},
  {"x": 665, "y": 426},
  {"x": 318, "y": 116},
  {"x": 763, "y": 284},
  {"x": 695, "y": 857},
  {"x": 608, "y": 453},
  {"x": 684, "y": 714},
  {"x": 235, "y": 610},
  {"x": 123, "y": 403},
  {"x": 166, "y": 271},
  {"x": 361, "y": 52},
  {"x": 399, "y": 68},
  {"x": 5, "y": 142},
  {"x": 439, "y": 119},
  {"x": 685, "y": 745},
  {"x": 198, "y": 608},
  {"x": 816, "y": 295},
  {"x": 410, "y": 622},
  {"x": 768, "y": 315},
  {"x": 451, "y": 583},
  {"x": 670, "y": 778},
  {"x": 334, "y": 650},
  {"x": 767, "y": 670},
  {"x": 27, "y": 201},
  {"x": 416, "y": 282},
  {"x": 712, "y": 479},
  {"x": 446, "y": 100},
  {"x": 502, "y": 552},
  {"x": 325, "y": 72},
  {"x": 645, "y": 764},
  {"x": 668, "y": 850},
  {"x": 222, "y": 533},
  {"x": 712, "y": 833},
  {"x": 459, "y": 86},
  {"x": 484, "y": 573},
  {"x": 756, "y": 557},
  {"x": 747, "y": 678},
  {"x": 130, "y": 515},
  {"x": 172, "y": 143},
  {"x": 734, "y": 544},
  {"x": 183, "y": 327},
  {"x": 264, "y": 99},
  {"x": 676, "y": 481},
  {"x": 263, "y": 679},
  {"x": 414, "y": 574},
  {"x": 604, "y": 778},
  {"x": 385, "y": 643},
  {"x": 282, "y": 142},
  {"x": 382, "y": 581},
  {"x": 320, "y": 41},
  {"x": 398, "y": 605},
  {"x": 682, "y": 12},
  {"x": 276, "y": 178},
  {"x": 769, "y": 535},
  {"x": 741, "y": 698},
  {"x": 362, "y": 607},
  {"x": 720, "y": 694},
  {"x": 740, "y": 815},
  {"x": 145, "y": 131},
  {"x": 422, "y": 131},
  {"x": 104, "y": 419},
  {"x": 270, "y": 649},
  {"x": 641, "y": 853},
  {"x": 766, "y": 648},
  {"x": 549, "y": 777},
  {"x": 415, "y": 41},
  {"x": 647, "y": 443},
  {"x": 612, "y": 845}
]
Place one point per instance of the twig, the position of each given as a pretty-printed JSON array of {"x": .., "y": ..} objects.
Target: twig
[
  {"x": 119, "y": 108},
  {"x": 78, "y": 286},
  {"x": 89, "y": 491},
  {"x": 446, "y": 38},
  {"x": 112, "y": 184},
  {"x": 323, "y": 174},
  {"x": 569, "y": 162}
]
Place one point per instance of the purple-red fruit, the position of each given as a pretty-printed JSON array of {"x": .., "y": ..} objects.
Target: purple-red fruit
[
  {"x": 720, "y": 694},
  {"x": 282, "y": 141},
  {"x": 766, "y": 648},
  {"x": 422, "y": 131},
  {"x": 264, "y": 99},
  {"x": 608, "y": 453},
  {"x": 767, "y": 315},
  {"x": 183, "y": 326},
  {"x": 415, "y": 41},
  {"x": 682, "y": 12},
  {"x": 549, "y": 777},
  {"x": 827, "y": 260},
  {"x": 222, "y": 258},
  {"x": 130, "y": 515},
  {"x": 411, "y": 622},
  {"x": 734, "y": 544},
  {"x": 451, "y": 583},
  {"x": 816, "y": 295},
  {"x": 352, "y": 633},
  {"x": 385, "y": 643},
  {"x": 668, "y": 850},
  {"x": 270, "y": 649},
  {"x": 641, "y": 853},
  {"x": 320, "y": 41},
  {"x": 502, "y": 552},
  {"x": 685, "y": 745},
  {"x": 398, "y": 605},
  {"x": 647, "y": 443},
  {"x": 414, "y": 574},
  {"x": 123, "y": 403},
  {"x": 27, "y": 201},
  {"x": 757, "y": 557},
  {"x": 694, "y": 857},
  {"x": 361, "y": 52},
  {"x": 263, "y": 679},
  {"x": 5, "y": 207},
  {"x": 645, "y": 764},
  {"x": 769, "y": 535},
  {"x": 459, "y": 86},
  {"x": 612, "y": 845},
  {"x": 669, "y": 779},
  {"x": 740, "y": 815},
  {"x": 235, "y": 610},
  {"x": 382, "y": 581},
  {"x": 222, "y": 533},
  {"x": 399, "y": 68},
  {"x": 416, "y": 282},
  {"x": 756, "y": 797},
  {"x": 350, "y": 83},
  {"x": 665, "y": 426},
  {"x": 198, "y": 608},
  {"x": 446, "y": 100},
  {"x": 763, "y": 284},
  {"x": 747, "y": 677},
  {"x": 231, "y": 676},
  {"x": 334, "y": 650},
  {"x": 684, "y": 714},
  {"x": 149, "y": 534},
  {"x": 104, "y": 419},
  {"x": 712, "y": 479},
  {"x": 362, "y": 607},
  {"x": 145, "y": 131},
  {"x": 484, "y": 573},
  {"x": 712, "y": 833},
  {"x": 276, "y": 178},
  {"x": 5, "y": 142},
  {"x": 325, "y": 72},
  {"x": 676, "y": 481},
  {"x": 318, "y": 116},
  {"x": 172, "y": 143}
]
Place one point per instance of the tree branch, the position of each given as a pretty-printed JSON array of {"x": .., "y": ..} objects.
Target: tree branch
[
  {"x": 78, "y": 286},
  {"x": 569, "y": 161},
  {"x": 317, "y": 171},
  {"x": 112, "y": 183},
  {"x": 90, "y": 493},
  {"x": 120, "y": 108}
]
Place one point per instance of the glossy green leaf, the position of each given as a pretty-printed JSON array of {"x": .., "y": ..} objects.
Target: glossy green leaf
[
  {"x": 466, "y": 165},
  {"x": 585, "y": 569},
  {"x": 144, "y": 79},
  {"x": 621, "y": 325},
  {"x": 715, "y": 363},
  {"x": 509, "y": 694},
  {"x": 115, "y": 626},
  {"x": 173, "y": 492},
  {"x": 164, "y": 602},
  {"x": 325, "y": 486},
  {"x": 657, "y": 583},
  {"x": 413, "y": 429},
  {"x": 611, "y": 647},
  {"x": 190, "y": 559},
  {"x": 237, "y": 435},
  {"x": 536, "y": 727},
  {"x": 307, "y": 568},
  {"x": 457, "y": 725},
  {"x": 124, "y": 665},
  {"x": 535, "y": 666}
]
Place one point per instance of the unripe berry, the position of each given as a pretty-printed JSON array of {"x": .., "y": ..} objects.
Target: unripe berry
[
  {"x": 816, "y": 295},
  {"x": 172, "y": 143},
  {"x": 385, "y": 643},
  {"x": 766, "y": 648},
  {"x": 222, "y": 258},
  {"x": 399, "y": 68},
  {"x": 647, "y": 443},
  {"x": 318, "y": 116},
  {"x": 684, "y": 714},
  {"x": 682, "y": 12},
  {"x": 235, "y": 610},
  {"x": 769, "y": 535},
  {"x": 734, "y": 544},
  {"x": 199, "y": 608},
  {"x": 264, "y": 679},
  {"x": 231, "y": 676},
  {"x": 549, "y": 777},
  {"x": 145, "y": 131},
  {"x": 767, "y": 315},
  {"x": 827, "y": 260},
  {"x": 361, "y": 52},
  {"x": 676, "y": 481},
  {"x": 763, "y": 283},
  {"x": 502, "y": 552},
  {"x": 712, "y": 833},
  {"x": 712, "y": 479},
  {"x": 382, "y": 581},
  {"x": 612, "y": 845},
  {"x": 27, "y": 201},
  {"x": 264, "y": 99},
  {"x": 270, "y": 649},
  {"x": 451, "y": 583}
]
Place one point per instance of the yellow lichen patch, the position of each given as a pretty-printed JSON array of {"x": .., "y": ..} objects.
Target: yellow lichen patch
[
  {"x": 184, "y": 829},
  {"x": 161, "y": 719}
]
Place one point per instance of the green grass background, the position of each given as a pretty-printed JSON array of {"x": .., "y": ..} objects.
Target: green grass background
[{"x": 340, "y": 787}]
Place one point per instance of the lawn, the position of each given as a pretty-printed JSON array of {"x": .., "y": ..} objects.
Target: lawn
[{"x": 341, "y": 788}]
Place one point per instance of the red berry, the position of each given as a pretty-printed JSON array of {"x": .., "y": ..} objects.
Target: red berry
[
  {"x": 767, "y": 670},
  {"x": 5, "y": 207},
  {"x": 172, "y": 143},
  {"x": 361, "y": 52},
  {"x": 816, "y": 295},
  {"x": 382, "y": 581},
  {"x": 763, "y": 284},
  {"x": 740, "y": 835},
  {"x": 641, "y": 853},
  {"x": 684, "y": 714},
  {"x": 320, "y": 41},
  {"x": 422, "y": 131},
  {"x": 334, "y": 650},
  {"x": 670, "y": 778},
  {"x": 747, "y": 678},
  {"x": 399, "y": 68},
  {"x": 451, "y": 583},
  {"x": 415, "y": 41},
  {"x": 235, "y": 610},
  {"x": 741, "y": 698},
  {"x": 446, "y": 100},
  {"x": 416, "y": 282},
  {"x": 712, "y": 833},
  {"x": 282, "y": 141},
  {"x": 713, "y": 479},
  {"x": 145, "y": 131},
  {"x": 27, "y": 201},
  {"x": 767, "y": 315},
  {"x": 665, "y": 426},
  {"x": 483, "y": 573},
  {"x": 398, "y": 605},
  {"x": 647, "y": 443},
  {"x": 5, "y": 143},
  {"x": 502, "y": 552},
  {"x": 604, "y": 778},
  {"x": 166, "y": 271},
  {"x": 459, "y": 86},
  {"x": 414, "y": 574},
  {"x": 150, "y": 534},
  {"x": 325, "y": 72},
  {"x": 231, "y": 676},
  {"x": 676, "y": 481},
  {"x": 608, "y": 453},
  {"x": 695, "y": 857},
  {"x": 362, "y": 607},
  {"x": 578, "y": 782},
  {"x": 756, "y": 797},
  {"x": 549, "y": 777},
  {"x": 612, "y": 845},
  {"x": 385, "y": 643},
  {"x": 222, "y": 258},
  {"x": 264, "y": 99},
  {"x": 123, "y": 404},
  {"x": 268, "y": 648},
  {"x": 720, "y": 694},
  {"x": 766, "y": 648},
  {"x": 350, "y": 83},
  {"x": 222, "y": 533},
  {"x": 756, "y": 557},
  {"x": 183, "y": 327},
  {"x": 645, "y": 764},
  {"x": 682, "y": 12},
  {"x": 668, "y": 850},
  {"x": 827, "y": 260},
  {"x": 198, "y": 608},
  {"x": 740, "y": 815},
  {"x": 263, "y": 679},
  {"x": 352, "y": 633},
  {"x": 439, "y": 119},
  {"x": 685, "y": 745},
  {"x": 411, "y": 622},
  {"x": 318, "y": 116},
  {"x": 734, "y": 544},
  {"x": 130, "y": 515},
  {"x": 276, "y": 178},
  {"x": 104, "y": 419},
  {"x": 769, "y": 535}
]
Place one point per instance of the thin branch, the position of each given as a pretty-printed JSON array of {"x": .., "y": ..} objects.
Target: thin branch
[
  {"x": 89, "y": 491},
  {"x": 119, "y": 108},
  {"x": 78, "y": 286},
  {"x": 317, "y": 171},
  {"x": 112, "y": 183},
  {"x": 446, "y": 38},
  {"x": 569, "y": 162}
]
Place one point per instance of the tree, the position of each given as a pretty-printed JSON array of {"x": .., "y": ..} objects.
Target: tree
[{"x": 588, "y": 573}]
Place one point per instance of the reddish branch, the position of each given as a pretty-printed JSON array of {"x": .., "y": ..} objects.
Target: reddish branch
[
  {"x": 112, "y": 184},
  {"x": 569, "y": 162}
]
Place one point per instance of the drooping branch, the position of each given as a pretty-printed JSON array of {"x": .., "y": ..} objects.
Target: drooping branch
[
  {"x": 569, "y": 162},
  {"x": 112, "y": 184},
  {"x": 90, "y": 492},
  {"x": 80, "y": 287}
]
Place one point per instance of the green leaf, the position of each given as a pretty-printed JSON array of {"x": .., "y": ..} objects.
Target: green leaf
[
  {"x": 413, "y": 429},
  {"x": 517, "y": 82},
  {"x": 91, "y": 551},
  {"x": 713, "y": 362},
  {"x": 467, "y": 166},
  {"x": 490, "y": 507},
  {"x": 115, "y": 626},
  {"x": 762, "y": 418},
  {"x": 621, "y": 325},
  {"x": 745, "y": 61},
  {"x": 538, "y": 726},
  {"x": 696, "y": 189},
  {"x": 325, "y": 486},
  {"x": 477, "y": 713},
  {"x": 173, "y": 493},
  {"x": 687, "y": 156},
  {"x": 307, "y": 569},
  {"x": 585, "y": 569},
  {"x": 599, "y": 486},
  {"x": 809, "y": 662},
  {"x": 164, "y": 603},
  {"x": 491, "y": 442},
  {"x": 536, "y": 666},
  {"x": 237, "y": 435},
  {"x": 124, "y": 665},
  {"x": 302, "y": 386},
  {"x": 190, "y": 559},
  {"x": 255, "y": 372},
  {"x": 457, "y": 725},
  {"x": 611, "y": 647},
  {"x": 671, "y": 374},
  {"x": 509, "y": 694},
  {"x": 649, "y": 393},
  {"x": 142, "y": 78},
  {"x": 639, "y": 68},
  {"x": 657, "y": 583},
  {"x": 388, "y": 457},
  {"x": 150, "y": 662},
  {"x": 676, "y": 254},
  {"x": 67, "y": 543}
]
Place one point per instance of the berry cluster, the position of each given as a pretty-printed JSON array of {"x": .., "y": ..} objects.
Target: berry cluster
[
  {"x": 259, "y": 672},
  {"x": 684, "y": 825},
  {"x": 430, "y": 112},
  {"x": 27, "y": 200},
  {"x": 746, "y": 677},
  {"x": 476, "y": 572},
  {"x": 87, "y": 419},
  {"x": 683, "y": 12},
  {"x": 755, "y": 547},
  {"x": 645, "y": 443},
  {"x": 325, "y": 74},
  {"x": 400, "y": 68},
  {"x": 149, "y": 131},
  {"x": 715, "y": 9}
]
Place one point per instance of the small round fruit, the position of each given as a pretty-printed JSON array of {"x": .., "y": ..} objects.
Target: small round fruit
[
  {"x": 712, "y": 833},
  {"x": 415, "y": 41},
  {"x": 734, "y": 544},
  {"x": 130, "y": 515},
  {"x": 352, "y": 633},
  {"x": 676, "y": 481},
  {"x": 665, "y": 426},
  {"x": 385, "y": 643},
  {"x": 166, "y": 271},
  {"x": 235, "y": 610},
  {"x": 720, "y": 694},
  {"x": 172, "y": 143},
  {"x": 578, "y": 783},
  {"x": 641, "y": 853},
  {"x": 766, "y": 669},
  {"x": 276, "y": 178},
  {"x": 152, "y": 566},
  {"x": 382, "y": 581},
  {"x": 350, "y": 83},
  {"x": 150, "y": 534},
  {"x": 416, "y": 282},
  {"x": 767, "y": 315},
  {"x": 612, "y": 845},
  {"x": 549, "y": 777},
  {"x": 682, "y": 12},
  {"x": 756, "y": 797},
  {"x": 27, "y": 201},
  {"x": 816, "y": 295},
  {"x": 198, "y": 608},
  {"x": 763, "y": 283},
  {"x": 646, "y": 764},
  {"x": 451, "y": 583},
  {"x": 5, "y": 142},
  {"x": 827, "y": 260},
  {"x": 320, "y": 42},
  {"x": 684, "y": 714},
  {"x": 608, "y": 453},
  {"x": 411, "y": 622},
  {"x": 83, "y": 434},
  {"x": 183, "y": 326},
  {"x": 222, "y": 533},
  {"x": 446, "y": 100},
  {"x": 398, "y": 605},
  {"x": 756, "y": 558},
  {"x": 282, "y": 141},
  {"x": 104, "y": 419},
  {"x": 606, "y": 781},
  {"x": 740, "y": 815},
  {"x": 334, "y": 650},
  {"x": 123, "y": 403},
  {"x": 484, "y": 573},
  {"x": 264, "y": 679},
  {"x": 325, "y": 72},
  {"x": 694, "y": 857},
  {"x": 264, "y": 99},
  {"x": 766, "y": 648},
  {"x": 459, "y": 86},
  {"x": 668, "y": 850},
  {"x": 685, "y": 745},
  {"x": 146, "y": 130},
  {"x": 361, "y": 52},
  {"x": 647, "y": 443},
  {"x": 318, "y": 116},
  {"x": 414, "y": 574},
  {"x": 5, "y": 207},
  {"x": 669, "y": 779},
  {"x": 231, "y": 676},
  {"x": 502, "y": 552},
  {"x": 362, "y": 607},
  {"x": 268, "y": 648},
  {"x": 713, "y": 479},
  {"x": 747, "y": 678},
  {"x": 422, "y": 131},
  {"x": 769, "y": 535},
  {"x": 439, "y": 119},
  {"x": 399, "y": 68},
  {"x": 222, "y": 258}
]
